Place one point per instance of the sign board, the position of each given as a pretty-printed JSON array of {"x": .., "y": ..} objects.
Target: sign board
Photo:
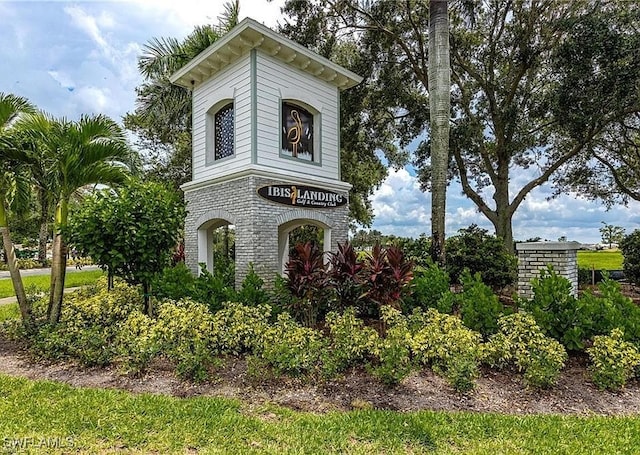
[{"x": 303, "y": 196}]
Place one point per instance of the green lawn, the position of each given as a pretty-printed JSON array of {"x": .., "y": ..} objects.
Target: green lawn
[
  {"x": 72, "y": 279},
  {"x": 600, "y": 260},
  {"x": 79, "y": 420}
]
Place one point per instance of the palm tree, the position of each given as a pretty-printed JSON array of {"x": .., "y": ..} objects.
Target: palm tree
[
  {"x": 90, "y": 151},
  {"x": 439, "y": 109},
  {"x": 14, "y": 186}
]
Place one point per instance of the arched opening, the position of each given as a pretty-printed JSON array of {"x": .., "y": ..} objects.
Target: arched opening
[
  {"x": 216, "y": 245},
  {"x": 301, "y": 231}
]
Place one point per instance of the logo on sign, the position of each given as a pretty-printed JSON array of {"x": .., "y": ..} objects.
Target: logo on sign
[{"x": 301, "y": 195}]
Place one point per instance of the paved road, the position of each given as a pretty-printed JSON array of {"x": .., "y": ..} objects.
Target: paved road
[
  {"x": 47, "y": 271},
  {"x": 32, "y": 272}
]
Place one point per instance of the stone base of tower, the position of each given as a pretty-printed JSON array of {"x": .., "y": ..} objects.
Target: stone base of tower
[{"x": 262, "y": 227}]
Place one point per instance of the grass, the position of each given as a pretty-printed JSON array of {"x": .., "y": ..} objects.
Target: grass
[
  {"x": 42, "y": 282},
  {"x": 600, "y": 260},
  {"x": 57, "y": 418}
]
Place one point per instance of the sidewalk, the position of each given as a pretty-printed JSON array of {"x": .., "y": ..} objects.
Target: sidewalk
[
  {"x": 12, "y": 299},
  {"x": 46, "y": 271}
]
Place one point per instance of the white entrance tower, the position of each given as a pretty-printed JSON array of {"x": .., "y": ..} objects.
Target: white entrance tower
[{"x": 266, "y": 147}]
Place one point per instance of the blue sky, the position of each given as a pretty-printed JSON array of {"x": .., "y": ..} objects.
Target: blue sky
[{"x": 71, "y": 58}]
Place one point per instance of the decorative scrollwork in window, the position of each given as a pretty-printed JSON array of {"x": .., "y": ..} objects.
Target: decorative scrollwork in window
[{"x": 297, "y": 132}]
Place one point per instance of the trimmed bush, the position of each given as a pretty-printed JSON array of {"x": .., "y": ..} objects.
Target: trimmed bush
[
  {"x": 237, "y": 328},
  {"x": 89, "y": 324},
  {"x": 613, "y": 360},
  {"x": 474, "y": 249},
  {"x": 521, "y": 343},
  {"x": 184, "y": 331},
  {"x": 479, "y": 306},
  {"x": 450, "y": 348},
  {"x": 392, "y": 351},
  {"x": 630, "y": 247},
  {"x": 350, "y": 341},
  {"x": 289, "y": 348}
]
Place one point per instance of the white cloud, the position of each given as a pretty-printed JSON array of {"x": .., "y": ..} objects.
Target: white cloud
[
  {"x": 401, "y": 208},
  {"x": 94, "y": 100},
  {"x": 63, "y": 79}
]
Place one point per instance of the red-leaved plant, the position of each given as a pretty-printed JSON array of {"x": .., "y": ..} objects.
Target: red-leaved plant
[
  {"x": 387, "y": 272},
  {"x": 346, "y": 278},
  {"x": 306, "y": 280}
]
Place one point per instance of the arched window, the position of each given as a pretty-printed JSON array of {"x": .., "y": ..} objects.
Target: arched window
[
  {"x": 297, "y": 132},
  {"x": 223, "y": 134}
]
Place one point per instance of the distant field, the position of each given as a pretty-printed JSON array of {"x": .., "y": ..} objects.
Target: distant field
[
  {"x": 600, "y": 260},
  {"x": 72, "y": 279}
]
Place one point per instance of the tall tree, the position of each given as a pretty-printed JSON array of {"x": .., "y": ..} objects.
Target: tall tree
[
  {"x": 510, "y": 88},
  {"x": 89, "y": 151},
  {"x": 14, "y": 186},
  {"x": 162, "y": 118},
  {"x": 440, "y": 113},
  {"x": 600, "y": 56}
]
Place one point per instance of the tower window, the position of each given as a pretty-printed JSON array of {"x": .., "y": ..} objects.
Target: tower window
[
  {"x": 223, "y": 143},
  {"x": 297, "y": 132}
]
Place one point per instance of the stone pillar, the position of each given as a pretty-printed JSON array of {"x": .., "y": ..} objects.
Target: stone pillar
[{"x": 536, "y": 256}]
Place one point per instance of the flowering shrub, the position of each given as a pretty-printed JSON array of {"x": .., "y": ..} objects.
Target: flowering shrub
[{"x": 613, "y": 360}]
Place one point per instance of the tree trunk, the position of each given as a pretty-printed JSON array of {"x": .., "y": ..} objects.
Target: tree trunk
[
  {"x": 14, "y": 271},
  {"x": 440, "y": 111},
  {"x": 58, "y": 265},
  {"x": 504, "y": 229},
  {"x": 44, "y": 228},
  {"x": 148, "y": 305}
]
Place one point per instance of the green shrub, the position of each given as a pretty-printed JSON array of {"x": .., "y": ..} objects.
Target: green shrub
[
  {"x": 138, "y": 342},
  {"x": 392, "y": 351},
  {"x": 474, "y": 249},
  {"x": 450, "y": 348},
  {"x": 521, "y": 343},
  {"x": 613, "y": 360},
  {"x": 89, "y": 324},
  {"x": 289, "y": 348},
  {"x": 350, "y": 341},
  {"x": 252, "y": 291},
  {"x": 236, "y": 328},
  {"x": 479, "y": 306},
  {"x": 630, "y": 247},
  {"x": 184, "y": 331},
  {"x": 572, "y": 321},
  {"x": 608, "y": 310},
  {"x": 556, "y": 311},
  {"x": 429, "y": 288},
  {"x": 176, "y": 283}
]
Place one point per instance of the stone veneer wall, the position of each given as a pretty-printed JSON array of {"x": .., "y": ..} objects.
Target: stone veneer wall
[
  {"x": 535, "y": 256},
  {"x": 256, "y": 223}
]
